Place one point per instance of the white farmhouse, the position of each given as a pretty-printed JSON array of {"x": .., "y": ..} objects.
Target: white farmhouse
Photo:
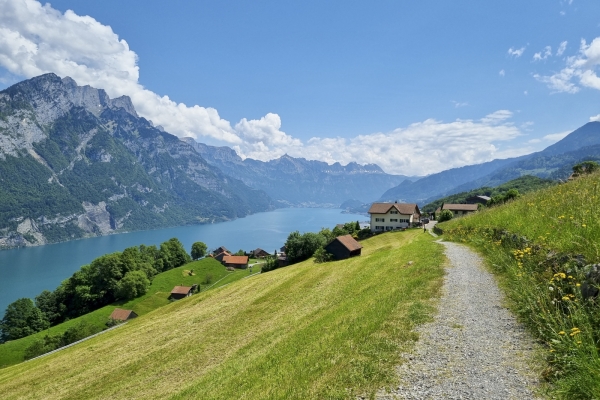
[{"x": 390, "y": 216}]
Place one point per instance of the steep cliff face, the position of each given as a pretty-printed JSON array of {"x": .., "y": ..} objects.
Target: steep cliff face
[
  {"x": 301, "y": 182},
  {"x": 75, "y": 163}
]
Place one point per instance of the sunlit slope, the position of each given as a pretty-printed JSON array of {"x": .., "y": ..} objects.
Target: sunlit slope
[
  {"x": 563, "y": 218},
  {"x": 329, "y": 330}
]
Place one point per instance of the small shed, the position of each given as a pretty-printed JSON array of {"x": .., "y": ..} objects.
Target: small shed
[
  {"x": 343, "y": 247},
  {"x": 179, "y": 292},
  {"x": 236, "y": 261},
  {"x": 120, "y": 314},
  {"x": 259, "y": 253}
]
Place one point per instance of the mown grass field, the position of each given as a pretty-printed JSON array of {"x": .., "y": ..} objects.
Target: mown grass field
[
  {"x": 12, "y": 352},
  {"x": 330, "y": 330},
  {"x": 543, "y": 246}
]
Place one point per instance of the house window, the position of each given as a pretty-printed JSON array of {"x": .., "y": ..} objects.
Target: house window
[
  {"x": 393, "y": 219},
  {"x": 378, "y": 228},
  {"x": 393, "y": 212},
  {"x": 379, "y": 219}
]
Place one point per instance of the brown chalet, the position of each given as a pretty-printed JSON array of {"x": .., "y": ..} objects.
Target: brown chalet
[
  {"x": 179, "y": 292},
  {"x": 260, "y": 253},
  {"x": 457, "y": 209},
  {"x": 120, "y": 314},
  {"x": 236, "y": 261},
  {"x": 390, "y": 216},
  {"x": 343, "y": 247},
  {"x": 220, "y": 249}
]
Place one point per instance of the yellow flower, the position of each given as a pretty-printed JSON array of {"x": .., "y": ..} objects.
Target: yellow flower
[
  {"x": 579, "y": 284},
  {"x": 583, "y": 225},
  {"x": 561, "y": 332},
  {"x": 565, "y": 298}
]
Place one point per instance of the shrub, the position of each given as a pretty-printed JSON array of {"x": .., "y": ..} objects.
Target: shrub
[{"x": 445, "y": 215}]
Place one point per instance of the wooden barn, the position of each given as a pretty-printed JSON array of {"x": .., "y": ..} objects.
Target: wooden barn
[
  {"x": 343, "y": 247},
  {"x": 179, "y": 292},
  {"x": 219, "y": 257},
  {"x": 120, "y": 314},
  {"x": 259, "y": 253},
  {"x": 236, "y": 261}
]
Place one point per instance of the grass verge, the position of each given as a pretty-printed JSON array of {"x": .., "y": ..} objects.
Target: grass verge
[
  {"x": 544, "y": 245},
  {"x": 333, "y": 330}
]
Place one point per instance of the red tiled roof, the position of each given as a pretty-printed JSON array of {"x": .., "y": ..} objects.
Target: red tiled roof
[
  {"x": 120, "y": 315},
  {"x": 181, "y": 290},
  {"x": 349, "y": 242},
  {"x": 239, "y": 260},
  {"x": 403, "y": 208},
  {"x": 460, "y": 207}
]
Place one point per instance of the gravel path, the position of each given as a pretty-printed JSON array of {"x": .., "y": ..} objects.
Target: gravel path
[{"x": 474, "y": 349}]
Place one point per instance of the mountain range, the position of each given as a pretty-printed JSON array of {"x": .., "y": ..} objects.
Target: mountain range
[
  {"x": 75, "y": 163},
  {"x": 554, "y": 162}
]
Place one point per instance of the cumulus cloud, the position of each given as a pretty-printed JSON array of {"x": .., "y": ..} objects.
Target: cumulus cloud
[
  {"x": 516, "y": 52},
  {"x": 36, "y": 39},
  {"x": 542, "y": 55},
  {"x": 501, "y": 73},
  {"x": 555, "y": 137},
  {"x": 423, "y": 147},
  {"x": 580, "y": 70}
]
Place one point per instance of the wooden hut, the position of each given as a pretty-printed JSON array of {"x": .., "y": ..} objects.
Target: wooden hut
[
  {"x": 343, "y": 247},
  {"x": 179, "y": 292}
]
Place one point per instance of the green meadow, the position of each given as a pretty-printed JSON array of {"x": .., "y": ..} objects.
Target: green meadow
[
  {"x": 207, "y": 273},
  {"x": 543, "y": 246},
  {"x": 332, "y": 330}
]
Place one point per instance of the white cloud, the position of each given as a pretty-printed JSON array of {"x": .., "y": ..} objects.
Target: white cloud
[
  {"x": 516, "y": 52},
  {"x": 459, "y": 104},
  {"x": 502, "y": 73},
  {"x": 423, "y": 147},
  {"x": 555, "y": 137},
  {"x": 595, "y": 118},
  {"x": 561, "y": 48},
  {"x": 35, "y": 39},
  {"x": 547, "y": 52},
  {"x": 580, "y": 70}
]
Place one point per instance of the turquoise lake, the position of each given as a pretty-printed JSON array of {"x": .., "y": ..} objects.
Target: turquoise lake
[{"x": 25, "y": 272}]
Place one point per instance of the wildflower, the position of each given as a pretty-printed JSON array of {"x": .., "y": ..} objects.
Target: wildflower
[
  {"x": 579, "y": 284},
  {"x": 583, "y": 225},
  {"x": 561, "y": 332},
  {"x": 565, "y": 298},
  {"x": 550, "y": 288}
]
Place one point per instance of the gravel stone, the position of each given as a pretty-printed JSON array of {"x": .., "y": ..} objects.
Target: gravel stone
[{"x": 474, "y": 348}]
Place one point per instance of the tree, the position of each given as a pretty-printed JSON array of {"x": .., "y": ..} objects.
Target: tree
[
  {"x": 133, "y": 284},
  {"x": 321, "y": 255},
  {"x": 302, "y": 247},
  {"x": 198, "y": 250},
  {"x": 48, "y": 305},
  {"x": 22, "y": 318},
  {"x": 445, "y": 215},
  {"x": 357, "y": 227},
  {"x": 586, "y": 167}
]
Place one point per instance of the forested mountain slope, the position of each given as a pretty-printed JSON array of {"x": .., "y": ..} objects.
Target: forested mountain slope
[{"x": 75, "y": 163}]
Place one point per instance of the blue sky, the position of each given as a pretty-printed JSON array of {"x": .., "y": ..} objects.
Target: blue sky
[{"x": 416, "y": 87}]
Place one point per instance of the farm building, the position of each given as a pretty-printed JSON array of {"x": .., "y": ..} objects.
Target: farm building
[
  {"x": 120, "y": 314},
  {"x": 343, "y": 247},
  {"x": 179, "y": 292},
  {"x": 236, "y": 261},
  {"x": 259, "y": 253}
]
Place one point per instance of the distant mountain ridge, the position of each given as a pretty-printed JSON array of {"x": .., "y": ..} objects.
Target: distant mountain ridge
[
  {"x": 554, "y": 162},
  {"x": 75, "y": 163},
  {"x": 300, "y": 182}
]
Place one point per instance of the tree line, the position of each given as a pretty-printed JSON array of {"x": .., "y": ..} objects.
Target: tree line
[
  {"x": 300, "y": 247},
  {"x": 118, "y": 276}
]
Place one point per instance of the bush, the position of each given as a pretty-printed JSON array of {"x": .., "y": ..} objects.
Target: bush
[
  {"x": 445, "y": 215},
  {"x": 321, "y": 256}
]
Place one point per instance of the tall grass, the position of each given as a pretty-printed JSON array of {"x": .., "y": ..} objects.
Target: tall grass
[
  {"x": 543, "y": 246},
  {"x": 333, "y": 330}
]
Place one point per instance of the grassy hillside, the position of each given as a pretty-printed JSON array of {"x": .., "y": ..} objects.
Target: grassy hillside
[
  {"x": 544, "y": 246},
  {"x": 208, "y": 273},
  {"x": 330, "y": 330},
  {"x": 524, "y": 184}
]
